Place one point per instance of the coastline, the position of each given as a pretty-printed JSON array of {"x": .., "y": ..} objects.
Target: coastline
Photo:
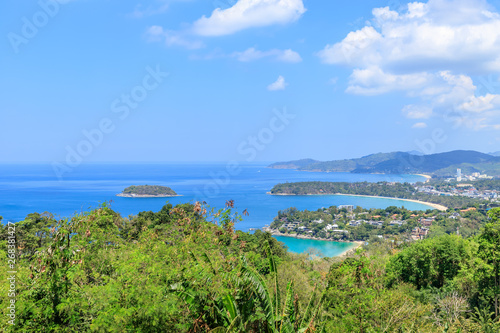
[
  {"x": 430, "y": 204},
  {"x": 433, "y": 205},
  {"x": 343, "y": 254},
  {"x": 427, "y": 177},
  {"x": 326, "y": 171},
  {"x": 123, "y": 195},
  {"x": 351, "y": 251}
]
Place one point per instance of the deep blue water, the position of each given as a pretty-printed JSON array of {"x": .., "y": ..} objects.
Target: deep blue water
[
  {"x": 32, "y": 188},
  {"x": 26, "y": 189}
]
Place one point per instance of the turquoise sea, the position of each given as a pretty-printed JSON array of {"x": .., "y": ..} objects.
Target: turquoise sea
[
  {"x": 29, "y": 188},
  {"x": 318, "y": 247}
]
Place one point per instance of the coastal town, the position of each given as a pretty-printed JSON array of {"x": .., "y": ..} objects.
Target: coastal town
[
  {"x": 465, "y": 190},
  {"x": 350, "y": 223},
  {"x": 462, "y": 185}
]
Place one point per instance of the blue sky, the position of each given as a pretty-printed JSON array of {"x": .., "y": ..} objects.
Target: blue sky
[{"x": 248, "y": 80}]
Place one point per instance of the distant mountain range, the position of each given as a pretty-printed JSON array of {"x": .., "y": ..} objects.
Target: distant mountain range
[{"x": 441, "y": 165}]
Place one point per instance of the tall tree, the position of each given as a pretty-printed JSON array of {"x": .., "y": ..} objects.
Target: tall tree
[{"x": 488, "y": 273}]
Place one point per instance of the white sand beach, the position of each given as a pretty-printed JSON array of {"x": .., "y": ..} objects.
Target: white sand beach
[
  {"x": 433, "y": 205},
  {"x": 426, "y": 176},
  {"x": 351, "y": 250}
]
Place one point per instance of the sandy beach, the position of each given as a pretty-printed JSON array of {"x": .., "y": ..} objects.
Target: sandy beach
[
  {"x": 426, "y": 176},
  {"x": 352, "y": 250},
  {"x": 433, "y": 205}
]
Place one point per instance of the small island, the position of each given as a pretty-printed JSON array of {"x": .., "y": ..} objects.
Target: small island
[{"x": 147, "y": 191}]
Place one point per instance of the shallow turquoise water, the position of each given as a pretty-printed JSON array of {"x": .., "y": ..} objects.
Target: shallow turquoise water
[{"x": 322, "y": 248}]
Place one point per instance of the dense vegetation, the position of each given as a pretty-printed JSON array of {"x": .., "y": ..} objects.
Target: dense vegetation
[
  {"x": 186, "y": 269},
  {"x": 178, "y": 270},
  {"x": 149, "y": 190},
  {"x": 441, "y": 164},
  {"x": 348, "y": 165},
  {"x": 293, "y": 164},
  {"x": 383, "y": 189}
]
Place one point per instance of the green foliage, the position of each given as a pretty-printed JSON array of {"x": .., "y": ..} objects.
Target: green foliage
[
  {"x": 178, "y": 270},
  {"x": 486, "y": 321},
  {"x": 488, "y": 264},
  {"x": 357, "y": 301},
  {"x": 186, "y": 269},
  {"x": 429, "y": 263},
  {"x": 31, "y": 233}
]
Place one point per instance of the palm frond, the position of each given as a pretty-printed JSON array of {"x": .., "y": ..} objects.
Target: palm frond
[
  {"x": 288, "y": 308},
  {"x": 259, "y": 286},
  {"x": 274, "y": 270}
]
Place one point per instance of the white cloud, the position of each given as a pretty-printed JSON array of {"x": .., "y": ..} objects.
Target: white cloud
[
  {"x": 451, "y": 33},
  {"x": 248, "y": 14},
  {"x": 354, "y": 49},
  {"x": 147, "y": 8},
  {"x": 373, "y": 81},
  {"x": 481, "y": 103},
  {"x": 252, "y": 54},
  {"x": 141, "y": 11},
  {"x": 279, "y": 84},
  {"x": 419, "y": 125},
  {"x": 156, "y": 33},
  {"x": 333, "y": 80},
  {"x": 430, "y": 51},
  {"x": 417, "y": 111},
  {"x": 289, "y": 55}
]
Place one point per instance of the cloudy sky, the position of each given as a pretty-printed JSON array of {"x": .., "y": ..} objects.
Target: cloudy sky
[{"x": 249, "y": 80}]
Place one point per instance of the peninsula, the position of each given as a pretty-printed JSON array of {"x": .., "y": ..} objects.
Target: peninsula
[
  {"x": 402, "y": 191},
  {"x": 347, "y": 223},
  {"x": 147, "y": 191}
]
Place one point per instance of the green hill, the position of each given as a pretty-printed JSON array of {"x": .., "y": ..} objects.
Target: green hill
[
  {"x": 293, "y": 164},
  {"x": 147, "y": 191},
  {"x": 441, "y": 164}
]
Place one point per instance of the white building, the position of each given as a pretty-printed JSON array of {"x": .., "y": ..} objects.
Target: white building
[
  {"x": 349, "y": 208},
  {"x": 331, "y": 226}
]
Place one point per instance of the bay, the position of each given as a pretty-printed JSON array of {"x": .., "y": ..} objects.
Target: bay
[
  {"x": 318, "y": 247},
  {"x": 28, "y": 188}
]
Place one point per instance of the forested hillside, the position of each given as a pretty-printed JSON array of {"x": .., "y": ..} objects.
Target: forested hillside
[
  {"x": 382, "y": 189},
  {"x": 186, "y": 269},
  {"x": 148, "y": 190},
  {"x": 440, "y": 164}
]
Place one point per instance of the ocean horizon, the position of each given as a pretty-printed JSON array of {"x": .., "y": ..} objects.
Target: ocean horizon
[{"x": 29, "y": 188}]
